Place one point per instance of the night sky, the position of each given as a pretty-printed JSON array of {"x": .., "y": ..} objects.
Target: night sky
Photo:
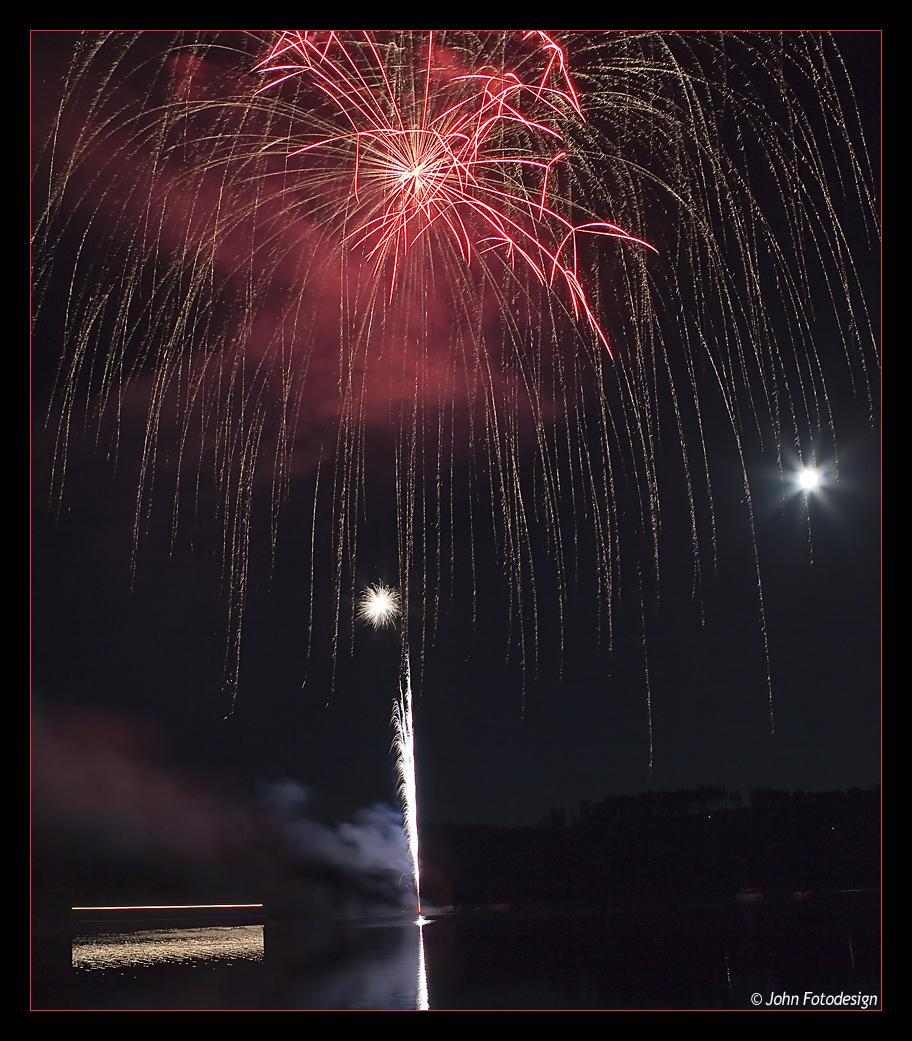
[{"x": 499, "y": 739}]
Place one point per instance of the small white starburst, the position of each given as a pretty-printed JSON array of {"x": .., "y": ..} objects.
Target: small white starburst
[{"x": 379, "y": 605}]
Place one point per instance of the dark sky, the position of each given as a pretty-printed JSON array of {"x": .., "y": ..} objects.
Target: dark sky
[{"x": 499, "y": 739}]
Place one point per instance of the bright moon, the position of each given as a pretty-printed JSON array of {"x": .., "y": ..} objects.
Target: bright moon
[
  {"x": 809, "y": 479},
  {"x": 379, "y": 605}
]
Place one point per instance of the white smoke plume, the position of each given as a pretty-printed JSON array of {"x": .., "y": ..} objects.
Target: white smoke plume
[{"x": 365, "y": 861}]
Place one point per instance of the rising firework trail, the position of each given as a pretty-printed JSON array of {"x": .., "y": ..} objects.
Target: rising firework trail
[
  {"x": 380, "y": 607},
  {"x": 404, "y": 746},
  {"x": 342, "y": 260}
]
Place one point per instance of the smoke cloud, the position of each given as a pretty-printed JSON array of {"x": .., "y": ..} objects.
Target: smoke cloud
[
  {"x": 363, "y": 863},
  {"x": 113, "y": 824}
]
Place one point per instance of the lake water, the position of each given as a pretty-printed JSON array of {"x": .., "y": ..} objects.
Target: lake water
[{"x": 701, "y": 956}]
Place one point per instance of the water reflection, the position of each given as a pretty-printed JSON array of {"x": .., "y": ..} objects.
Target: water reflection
[
  {"x": 421, "y": 1002},
  {"x": 367, "y": 965},
  {"x": 171, "y": 946},
  {"x": 362, "y": 966},
  {"x": 700, "y": 956}
]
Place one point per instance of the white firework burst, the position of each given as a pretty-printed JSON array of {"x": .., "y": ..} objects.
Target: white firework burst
[{"x": 380, "y": 606}]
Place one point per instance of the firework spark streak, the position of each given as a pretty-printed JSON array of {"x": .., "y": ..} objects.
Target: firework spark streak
[
  {"x": 404, "y": 747},
  {"x": 322, "y": 262}
]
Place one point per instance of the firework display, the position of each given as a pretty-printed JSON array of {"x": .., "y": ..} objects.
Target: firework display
[
  {"x": 453, "y": 164},
  {"x": 321, "y": 258}
]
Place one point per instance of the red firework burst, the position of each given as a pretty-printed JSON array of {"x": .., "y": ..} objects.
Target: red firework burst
[{"x": 450, "y": 162}]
